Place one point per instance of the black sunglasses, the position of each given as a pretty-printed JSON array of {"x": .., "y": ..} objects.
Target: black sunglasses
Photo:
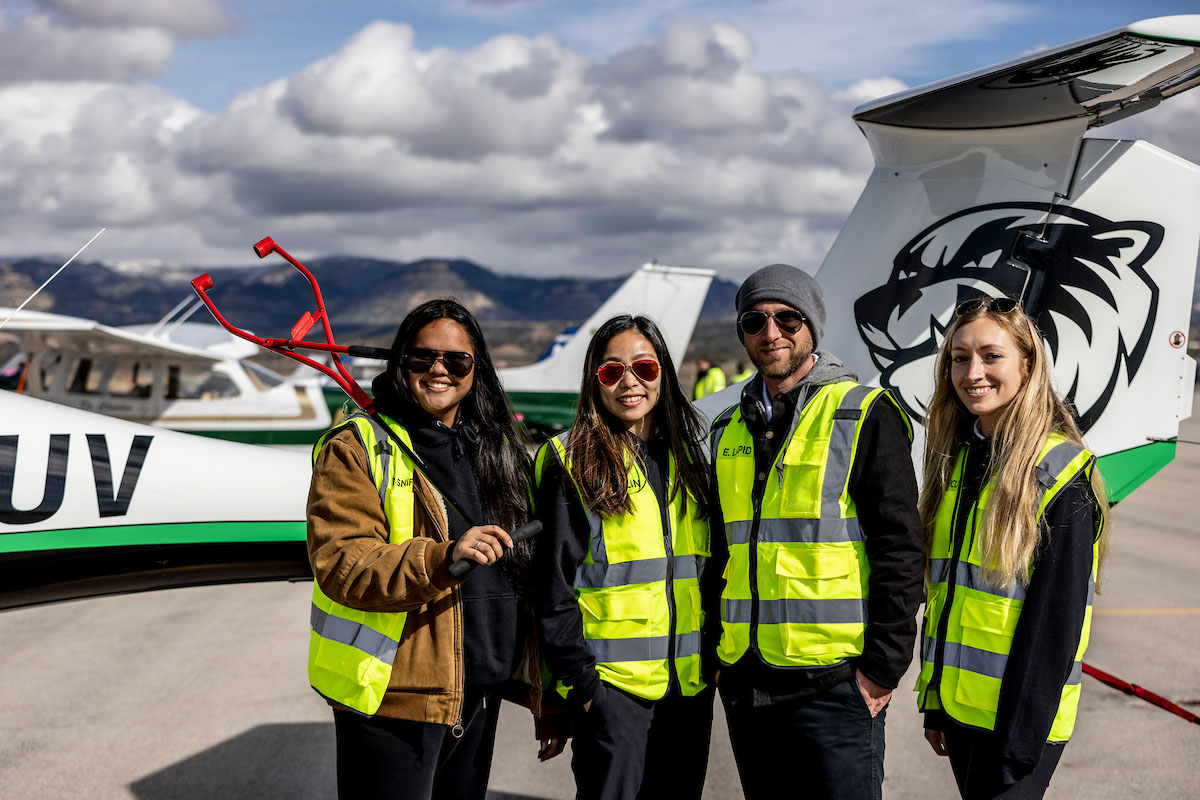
[
  {"x": 645, "y": 369},
  {"x": 456, "y": 362},
  {"x": 755, "y": 322},
  {"x": 1001, "y": 305}
]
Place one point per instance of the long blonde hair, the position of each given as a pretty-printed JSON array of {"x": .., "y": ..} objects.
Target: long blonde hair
[{"x": 1009, "y": 532}]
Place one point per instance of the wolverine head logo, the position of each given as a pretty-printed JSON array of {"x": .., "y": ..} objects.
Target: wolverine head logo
[{"x": 1080, "y": 276}]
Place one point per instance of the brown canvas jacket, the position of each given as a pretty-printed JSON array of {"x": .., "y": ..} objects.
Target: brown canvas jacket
[{"x": 355, "y": 565}]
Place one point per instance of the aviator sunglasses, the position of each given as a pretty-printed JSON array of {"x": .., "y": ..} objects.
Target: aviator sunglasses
[
  {"x": 456, "y": 362},
  {"x": 1001, "y": 305},
  {"x": 646, "y": 370},
  {"x": 754, "y": 322}
]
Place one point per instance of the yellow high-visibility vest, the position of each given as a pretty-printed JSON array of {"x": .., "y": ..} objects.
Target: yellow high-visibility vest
[
  {"x": 712, "y": 381},
  {"x": 629, "y": 587},
  {"x": 980, "y": 619},
  {"x": 350, "y": 652},
  {"x": 796, "y": 580}
]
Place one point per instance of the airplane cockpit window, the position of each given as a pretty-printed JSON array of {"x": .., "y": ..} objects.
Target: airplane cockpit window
[
  {"x": 185, "y": 382},
  {"x": 262, "y": 377}
]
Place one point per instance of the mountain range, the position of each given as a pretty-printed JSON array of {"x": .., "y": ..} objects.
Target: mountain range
[{"x": 363, "y": 295}]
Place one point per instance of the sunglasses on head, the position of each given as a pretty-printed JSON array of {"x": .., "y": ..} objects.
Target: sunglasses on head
[
  {"x": 1001, "y": 305},
  {"x": 755, "y": 322},
  {"x": 422, "y": 359},
  {"x": 610, "y": 372}
]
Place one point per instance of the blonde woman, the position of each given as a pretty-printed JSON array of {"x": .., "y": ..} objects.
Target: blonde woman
[{"x": 1015, "y": 516}]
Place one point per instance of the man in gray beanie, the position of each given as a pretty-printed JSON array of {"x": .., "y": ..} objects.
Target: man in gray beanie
[{"x": 811, "y": 595}]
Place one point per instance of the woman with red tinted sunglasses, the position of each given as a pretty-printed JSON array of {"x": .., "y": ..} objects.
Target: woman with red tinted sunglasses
[
  {"x": 413, "y": 660},
  {"x": 623, "y": 498}
]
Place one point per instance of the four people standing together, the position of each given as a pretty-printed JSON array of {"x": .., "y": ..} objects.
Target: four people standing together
[{"x": 785, "y": 566}]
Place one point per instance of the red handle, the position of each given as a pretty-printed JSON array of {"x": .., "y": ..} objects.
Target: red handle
[{"x": 287, "y": 347}]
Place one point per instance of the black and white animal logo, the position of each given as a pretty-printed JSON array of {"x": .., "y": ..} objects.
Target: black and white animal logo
[{"x": 1080, "y": 276}]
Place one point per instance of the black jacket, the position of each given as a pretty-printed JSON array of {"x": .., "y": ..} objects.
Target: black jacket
[
  {"x": 1051, "y": 622},
  {"x": 883, "y": 486},
  {"x": 563, "y": 546}
]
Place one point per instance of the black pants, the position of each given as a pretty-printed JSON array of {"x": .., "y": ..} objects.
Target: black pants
[
  {"x": 626, "y": 747},
  {"x": 976, "y": 763},
  {"x": 827, "y": 745},
  {"x": 394, "y": 758}
]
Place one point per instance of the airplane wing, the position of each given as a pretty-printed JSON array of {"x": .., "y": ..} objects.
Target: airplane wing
[
  {"x": 93, "y": 505},
  {"x": 40, "y": 330},
  {"x": 986, "y": 184}
]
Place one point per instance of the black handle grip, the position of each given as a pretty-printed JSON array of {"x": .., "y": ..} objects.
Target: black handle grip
[
  {"x": 362, "y": 351},
  {"x": 526, "y": 531}
]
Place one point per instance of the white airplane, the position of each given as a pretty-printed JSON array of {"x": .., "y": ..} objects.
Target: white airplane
[
  {"x": 181, "y": 375},
  {"x": 985, "y": 184}
]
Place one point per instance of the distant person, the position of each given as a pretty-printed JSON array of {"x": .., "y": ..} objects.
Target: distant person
[
  {"x": 1015, "y": 517},
  {"x": 743, "y": 373},
  {"x": 623, "y": 498},
  {"x": 414, "y": 661},
  {"x": 813, "y": 587},
  {"x": 709, "y": 378}
]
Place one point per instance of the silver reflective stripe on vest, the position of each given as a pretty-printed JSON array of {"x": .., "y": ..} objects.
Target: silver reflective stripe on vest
[
  {"x": 645, "y": 648},
  {"x": 795, "y": 530},
  {"x": 796, "y": 611},
  {"x": 983, "y": 662},
  {"x": 971, "y": 576},
  {"x": 385, "y": 456},
  {"x": 687, "y": 644},
  {"x": 841, "y": 450},
  {"x": 1055, "y": 462},
  {"x": 972, "y": 659},
  {"x": 356, "y": 635},
  {"x": 648, "y": 570}
]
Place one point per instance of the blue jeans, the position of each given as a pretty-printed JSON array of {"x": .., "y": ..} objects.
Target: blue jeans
[{"x": 826, "y": 745}]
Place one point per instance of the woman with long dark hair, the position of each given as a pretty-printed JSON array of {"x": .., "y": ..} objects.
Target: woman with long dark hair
[
  {"x": 1015, "y": 519},
  {"x": 623, "y": 497},
  {"x": 414, "y": 661}
]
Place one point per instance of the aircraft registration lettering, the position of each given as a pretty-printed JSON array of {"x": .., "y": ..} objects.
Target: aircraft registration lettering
[{"x": 109, "y": 503}]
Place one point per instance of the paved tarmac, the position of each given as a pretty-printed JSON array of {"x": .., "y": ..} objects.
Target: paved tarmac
[{"x": 201, "y": 693}]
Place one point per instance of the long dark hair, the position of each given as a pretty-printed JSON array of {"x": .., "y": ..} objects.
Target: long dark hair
[
  {"x": 500, "y": 457},
  {"x": 599, "y": 444}
]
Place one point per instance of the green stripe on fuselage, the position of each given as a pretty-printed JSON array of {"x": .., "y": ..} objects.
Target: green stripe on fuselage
[
  {"x": 1128, "y": 469},
  {"x": 169, "y": 533}
]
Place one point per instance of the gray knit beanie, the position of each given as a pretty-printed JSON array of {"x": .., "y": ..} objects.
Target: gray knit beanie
[{"x": 785, "y": 284}]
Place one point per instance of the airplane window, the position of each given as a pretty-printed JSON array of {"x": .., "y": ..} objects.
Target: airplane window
[
  {"x": 134, "y": 379},
  {"x": 262, "y": 377},
  {"x": 84, "y": 379},
  {"x": 48, "y": 363},
  {"x": 195, "y": 382}
]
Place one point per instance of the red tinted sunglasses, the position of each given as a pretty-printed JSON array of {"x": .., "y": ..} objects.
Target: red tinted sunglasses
[{"x": 610, "y": 372}]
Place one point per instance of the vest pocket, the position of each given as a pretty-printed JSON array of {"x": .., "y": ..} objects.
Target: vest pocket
[
  {"x": 803, "y": 467},
  {"x": 988, "y": 625},
  {"x": 817, "y": 572}
]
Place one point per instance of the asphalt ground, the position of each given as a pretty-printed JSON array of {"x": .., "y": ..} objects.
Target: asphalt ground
[{"x": 201, "y": 693}]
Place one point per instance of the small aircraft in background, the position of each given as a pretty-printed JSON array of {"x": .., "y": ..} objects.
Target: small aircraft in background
[
  {"x": 984, "y": 184},
  {"x": 185, "y": 376}
]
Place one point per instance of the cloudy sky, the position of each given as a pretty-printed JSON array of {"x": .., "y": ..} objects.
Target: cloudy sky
[{"x": 534, "y": 136}]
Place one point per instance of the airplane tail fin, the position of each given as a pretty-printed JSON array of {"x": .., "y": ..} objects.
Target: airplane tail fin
[
  {"x": 986, "y": 185},
  {"x": 671, "y": 296}
]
